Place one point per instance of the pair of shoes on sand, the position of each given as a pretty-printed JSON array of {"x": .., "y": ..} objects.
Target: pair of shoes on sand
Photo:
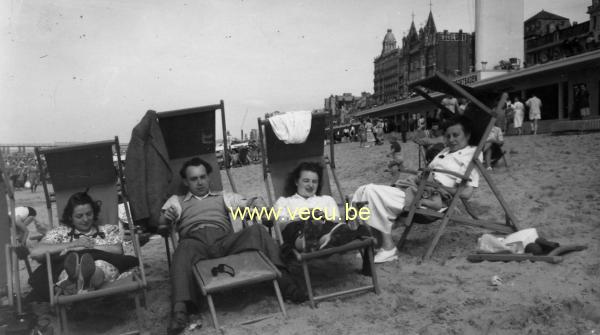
[{"x": 80, "y": 271}]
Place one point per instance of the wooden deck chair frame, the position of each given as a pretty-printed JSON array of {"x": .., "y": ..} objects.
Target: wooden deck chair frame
[
  {"x": 440, "y": 83},
  {"x": 91, "y": 166},
  {"x": 190, "y": 133},
  {"x": 11, "y": 260},
  {"x": 278, "y": 160}
]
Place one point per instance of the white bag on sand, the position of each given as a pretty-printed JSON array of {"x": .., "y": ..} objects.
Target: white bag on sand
[
  {"x": 515, "y": 242},
  {"x": 489, "y": 243},
  {"x": 27, "y": 184}
]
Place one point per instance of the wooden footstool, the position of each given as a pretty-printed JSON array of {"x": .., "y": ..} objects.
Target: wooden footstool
[{"x": 250, "y": 267}]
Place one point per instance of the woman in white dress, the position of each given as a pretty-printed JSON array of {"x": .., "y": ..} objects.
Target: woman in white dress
[
  {"x": 519, "y": 114},
  {"x": 387, "y": 202}
]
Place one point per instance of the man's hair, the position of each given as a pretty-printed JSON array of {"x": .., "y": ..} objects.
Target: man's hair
[{"x": 196, "y": 161}]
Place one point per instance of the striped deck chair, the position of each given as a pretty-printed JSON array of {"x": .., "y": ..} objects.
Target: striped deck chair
[
  {"x": 91, "y": 167},
  {"x": 279, "y": 159}
]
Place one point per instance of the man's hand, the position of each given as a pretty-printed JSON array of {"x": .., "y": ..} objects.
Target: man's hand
[{"x": 170, "y": 214}]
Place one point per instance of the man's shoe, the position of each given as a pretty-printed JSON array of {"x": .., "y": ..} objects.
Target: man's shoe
[
  {"x": 179, "y": 320},
  {"x": 290, "y": 290},
  {"x": 386, "y": 255}
]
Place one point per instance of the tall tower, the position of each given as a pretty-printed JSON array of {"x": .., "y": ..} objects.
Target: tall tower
[
  {"x": 498, "y": 32},
  {"x": 389, "y": 42}
]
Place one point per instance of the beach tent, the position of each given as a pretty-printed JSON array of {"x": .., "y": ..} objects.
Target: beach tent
[
  {"x": 483, "y": 119},
  {"x": 89, "y": 167},
  {"x": 279, "y": 159}
]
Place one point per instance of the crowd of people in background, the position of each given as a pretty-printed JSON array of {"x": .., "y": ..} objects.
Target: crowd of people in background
[{"x": 22, "y": 170}]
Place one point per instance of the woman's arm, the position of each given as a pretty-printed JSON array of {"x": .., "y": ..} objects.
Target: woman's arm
[
  {"x": 42, "y": 248},
  {"x": 112, "y": 248}
]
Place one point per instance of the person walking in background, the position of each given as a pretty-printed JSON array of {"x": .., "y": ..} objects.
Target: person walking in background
[
  {"x": 396, "y": 151},
  {"x": 576, "y": 110},
  {"x": 462, "y": 106},
  {"x": 584, "y": 101},
  {"x": 403, "y": 127},
  {"x": 370, "y": 132},
  {"x": 535, "y": 113},
  {"x": 451, "y": 104},
  {"x": 34, "y": 177},
  {"x": 379, "y": 132},
  {"x": 362, "y": 133},
  {"x": 519, "y": 114}
]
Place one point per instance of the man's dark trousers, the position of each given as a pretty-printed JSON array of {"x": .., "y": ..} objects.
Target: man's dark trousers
[{"x": 208, "y": 243}]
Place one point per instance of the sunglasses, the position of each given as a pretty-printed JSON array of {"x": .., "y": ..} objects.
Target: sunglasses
[{"x": 222, "y": 268}]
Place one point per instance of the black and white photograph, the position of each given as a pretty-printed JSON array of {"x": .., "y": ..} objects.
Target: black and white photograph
[{"x": 300, "y": 167}]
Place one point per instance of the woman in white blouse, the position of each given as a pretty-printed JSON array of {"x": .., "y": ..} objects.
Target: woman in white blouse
[
  {"x": 307, "y": 219},
  {"x": 387, "y": 202}
]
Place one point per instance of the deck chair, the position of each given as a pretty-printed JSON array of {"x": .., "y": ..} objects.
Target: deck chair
[
  {"x": 10, "y": 280},
  {"x": 279, "y": 159},
  {"x": 77, "y": 168},
  {"x": 483, "y": 119},
  {"x": 190, "y": 133}
]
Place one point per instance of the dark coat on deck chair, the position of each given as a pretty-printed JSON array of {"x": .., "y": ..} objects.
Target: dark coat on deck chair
[{"x": 147, "y": 171}]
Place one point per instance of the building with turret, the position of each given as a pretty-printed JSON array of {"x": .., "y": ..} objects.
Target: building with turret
[
  {"x": 550, "y": 37},
  {"x": 422, "y": 52}
]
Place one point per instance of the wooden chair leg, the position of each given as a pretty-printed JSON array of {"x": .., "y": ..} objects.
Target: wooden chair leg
[
  {"x": 279, "y": 298},
  {"x": 138, "y": 312},
  {"x": 371, "y": 255},
  {"x": 437, "y": 237},
  {"x": 308, "y": 284},
  {"x": 63, "y": 320},
  {"x": 28, "y": 266},
  {"x": 213, "y": 312},
  {"x": 168, "y": 251}
]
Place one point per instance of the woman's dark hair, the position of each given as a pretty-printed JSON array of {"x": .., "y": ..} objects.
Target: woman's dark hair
[
  {"x": 78, "y": 199},
  {"x": 196, "y": 161},
  {"x": 465, "y": 123},
  {"x": 294, "y": 176}
]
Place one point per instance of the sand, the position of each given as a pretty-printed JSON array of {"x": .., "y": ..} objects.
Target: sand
[{"x": 551, "y": 184}]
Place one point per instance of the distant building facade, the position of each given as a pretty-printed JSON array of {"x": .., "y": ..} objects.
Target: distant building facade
[
  {"x": 550, "y": 37},
  {"x": 422, "y": 53},
  {"x": 342, "y": 106},
  {"x": 253, "y": 135}
]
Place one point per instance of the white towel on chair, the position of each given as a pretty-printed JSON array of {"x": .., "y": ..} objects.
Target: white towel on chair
[{"x": 292, "y": 127}]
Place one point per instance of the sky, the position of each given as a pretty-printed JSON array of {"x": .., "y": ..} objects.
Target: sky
[{"x": 87, "y": 70}]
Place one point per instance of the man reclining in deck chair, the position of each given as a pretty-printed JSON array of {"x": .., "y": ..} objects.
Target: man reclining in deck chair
[
  {"x": 388, "y": 202},
  {"x": 206, "y": 232}
]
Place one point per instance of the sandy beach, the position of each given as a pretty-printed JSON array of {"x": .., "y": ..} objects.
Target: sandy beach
[{"x": 551, "y": 184}]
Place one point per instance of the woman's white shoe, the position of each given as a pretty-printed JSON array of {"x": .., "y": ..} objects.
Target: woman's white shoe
[{"x": 386, "y": 255}]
